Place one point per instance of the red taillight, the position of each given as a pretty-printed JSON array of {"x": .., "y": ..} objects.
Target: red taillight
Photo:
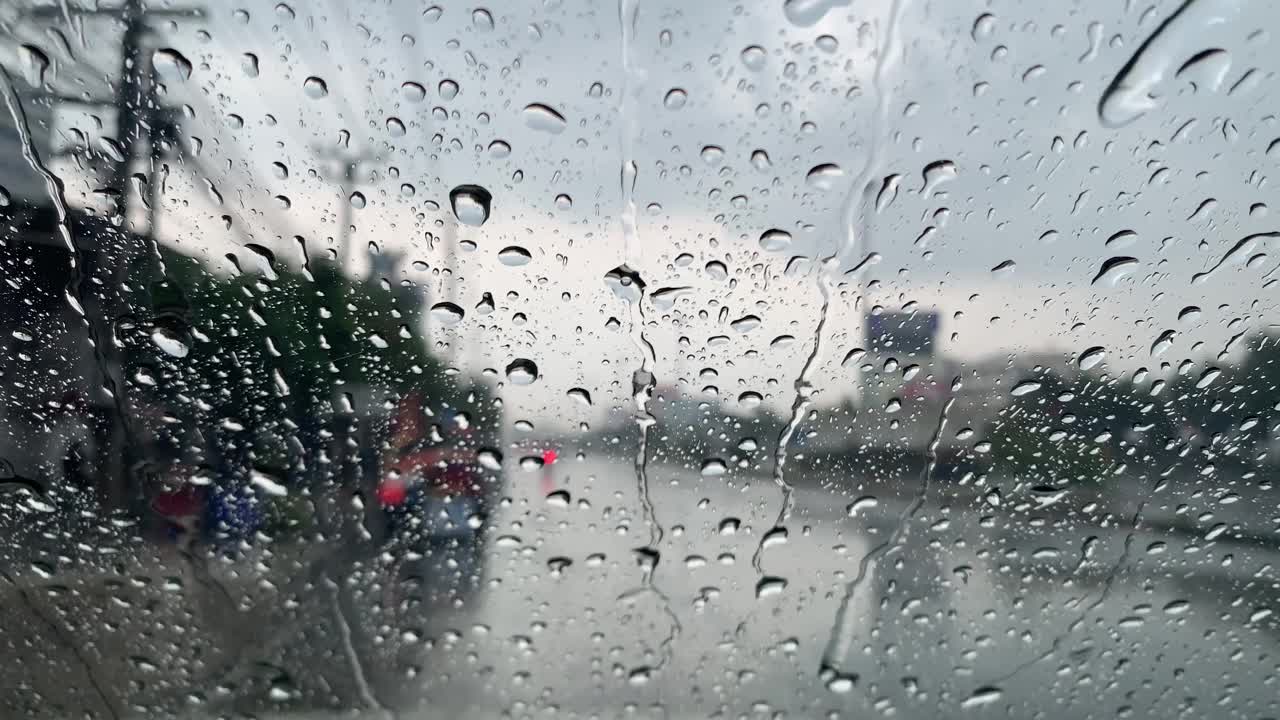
[
  {"x": 549, "y": 457},
  {"x": 392, "y": 492}
]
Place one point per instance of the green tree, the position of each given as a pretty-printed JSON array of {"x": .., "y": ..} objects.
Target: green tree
[
  {"x": 271, "y": 368},
  {"x": 1080, "y": 430}
]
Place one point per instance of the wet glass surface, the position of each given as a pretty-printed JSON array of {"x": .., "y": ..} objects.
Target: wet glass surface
[{"x": 794, "y": 358}]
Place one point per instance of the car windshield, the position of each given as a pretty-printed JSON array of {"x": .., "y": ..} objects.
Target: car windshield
[{"x": 638, "y": 359}]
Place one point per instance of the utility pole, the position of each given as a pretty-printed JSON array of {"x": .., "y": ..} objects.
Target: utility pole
[
  {"x": 132, "y": 99},
  {"x": 133, "y": 87},
  {"x": 348, "y": 165}
]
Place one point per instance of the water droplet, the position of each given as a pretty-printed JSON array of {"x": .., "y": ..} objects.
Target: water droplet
[
  {"x": 507, "y": 541},
  {"x": 1207, "y": 377},
  {"x": 581, "y": 395},
  {"x": 639, "y": 676},
  {"x": 522, "y": 372},
  {"x": 775, "y": 240},
  {"x": 713, "y": 467},
  {"x": 481, "y": 20},
  {"x": 753, "y": 57},
  {"x": 1122, "y": 240},
  {"x": 1135, "y": 90},
  {"x": 395, "y": 127},
  {"x": 267, "y": 484},
  {"x": 1113, "y": 269},
  {"x": 841, "y": 683},
  {"x": 169, "y": 64},
  {"x": 714, "y": 154},
  {"x": 776, "y": 536},
  {"x": 1206, "y": 70},
  {"x": 824, "y": 177},
  {"x": 935, "y": 174},
  {"x": 544, "y": 119},
  {"x": 1091, "y": 357},
  {"x": 804, "y": 13},
  {"x": 760, "y": 160},
  {"x": 750, "y": 399},
  {"x": 34, "y": 65},
  {"x": 982, "y": 696},
  {"x": 264, "y": 259},
  {"x": 665, "y": 298},
  {"x": 1026, "y": 387},
  {"x": 447, "y": 89},
  {"x": 413, "y": 92},
  {"x": 489, "y": 459},
  {"x": 865, "y": 502},
  {"x": 447, "y": 314},
  {"x": 675, "y": 99},
  {"x": 249, "y": 65},
  {"x": 1005, "y": 268},
  {"x": 111, "y": 149},
  {"x": 746, "y": 323},
  {"x": 716, "y": 270},
  {"x": 358, "y": 200},
  {"x": 625, "y": 283},
  {"x": 770, "y": 586},
  {"x": 888, "y": 191},
  {"x": 470, "y": 204},
  {"x": 564, "y": 202},
  {"x": 983, "y": 26},
  {"x": 315, "y": 88},
  {"x": 170, "y": 343},
  {"x": 514, "y": 256}
]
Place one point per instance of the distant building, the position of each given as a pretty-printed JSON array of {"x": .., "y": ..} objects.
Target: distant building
[{"x": 903, "y": 384}]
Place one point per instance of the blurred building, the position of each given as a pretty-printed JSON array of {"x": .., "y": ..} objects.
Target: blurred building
[{"x": 904, "y": 383}]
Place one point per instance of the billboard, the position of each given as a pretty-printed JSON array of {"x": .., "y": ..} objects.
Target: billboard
[{"x": 902, "y": 333}]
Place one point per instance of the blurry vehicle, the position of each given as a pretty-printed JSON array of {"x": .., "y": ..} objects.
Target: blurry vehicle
[
  {"x": 436, "y": 495},
  {"x": 177, "y": 507}
]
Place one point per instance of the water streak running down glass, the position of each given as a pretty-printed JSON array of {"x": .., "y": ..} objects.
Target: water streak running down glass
[{"x": 778, "y": 358}]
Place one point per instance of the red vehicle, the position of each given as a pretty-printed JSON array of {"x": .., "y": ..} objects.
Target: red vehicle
[{"x": 431, "y": 490}]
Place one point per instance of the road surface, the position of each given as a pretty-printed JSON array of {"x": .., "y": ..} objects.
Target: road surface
[{"x": 980, "y": 605}]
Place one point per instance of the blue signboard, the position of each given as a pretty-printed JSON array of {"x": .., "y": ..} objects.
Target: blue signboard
[{"x": 902, "y": 333}]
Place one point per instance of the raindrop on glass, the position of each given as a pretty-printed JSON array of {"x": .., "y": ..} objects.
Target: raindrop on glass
[
  {"x": 447, "y": 314},
  {"x": 775, "y": 240},
  {"x": 470, "y": 204},
  {"x": 522, "y": 372},
  {"x": 315, "y": 88},
  {"x": 514, "y": 256},
  {"x": 170, "y": 64},
  {"x": 543, "y": 118}
]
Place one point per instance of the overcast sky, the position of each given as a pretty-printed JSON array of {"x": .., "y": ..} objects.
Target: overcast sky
[{"x": 1032, "y": 173}]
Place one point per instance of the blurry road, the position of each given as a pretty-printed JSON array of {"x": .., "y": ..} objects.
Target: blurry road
[{"x": 983, "y": 609}]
